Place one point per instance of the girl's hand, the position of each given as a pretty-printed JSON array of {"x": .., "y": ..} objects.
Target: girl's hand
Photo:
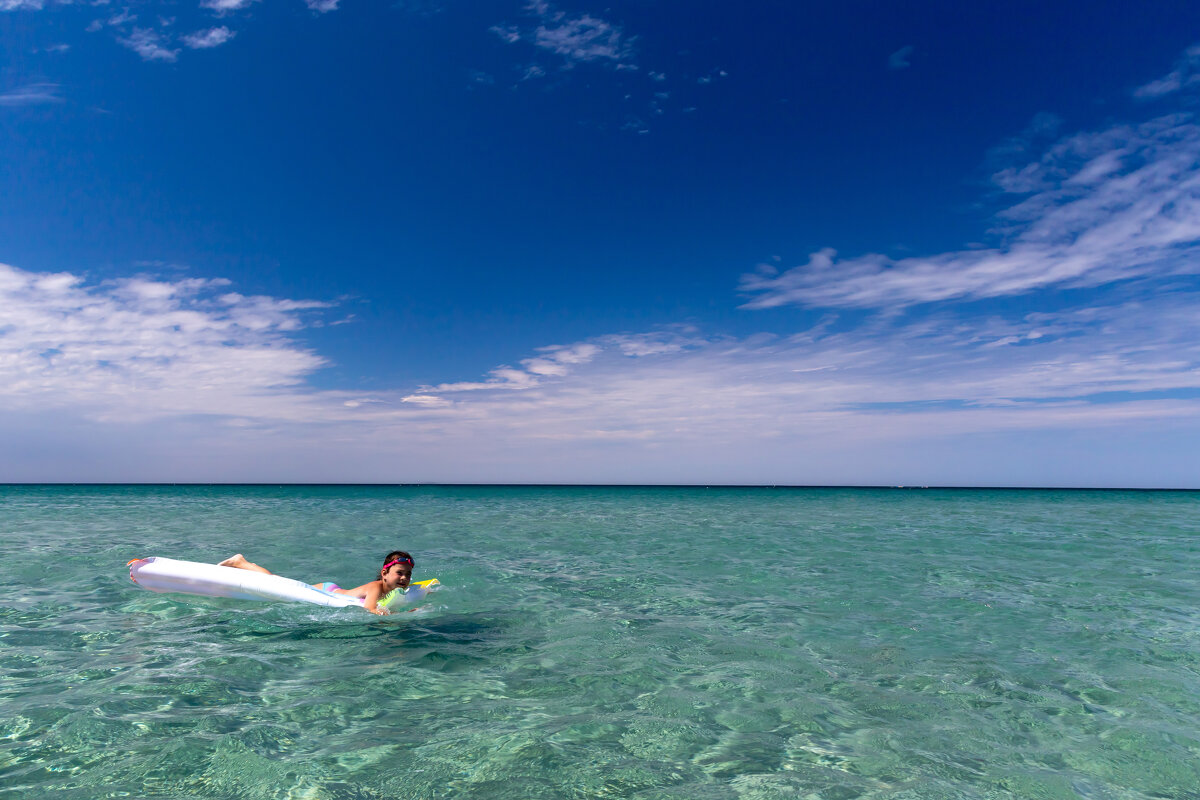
[{"x": 378, "y": 611}]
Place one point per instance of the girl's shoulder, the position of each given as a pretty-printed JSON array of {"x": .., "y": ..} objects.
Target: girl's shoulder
[{"x": 361, "y": 591}]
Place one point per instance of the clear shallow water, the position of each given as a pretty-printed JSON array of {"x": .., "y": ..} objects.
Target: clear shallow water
[{"x": 608, "y": 643}]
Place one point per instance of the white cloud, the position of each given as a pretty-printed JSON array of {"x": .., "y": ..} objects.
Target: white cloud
[
  {"x": 1185, "y": 74},
  {"x": 552, "y": 361},
  {"x": 427, "y": 400},
  {"x": 558, "y": 360},
  {"x": 900, "y": 58},
  {"x": 145, "y": 348},
  {"x": 1109, "y": 206},
  {"x": 21, "y": 5},
  {"x": 509, "y": 33},
  {"x": 121, "y": 18},
  {"x": 188, "y": 366},
  {"x": 583, "y": 38},
  {"x": 33, "y": 94},
  {"x": 150, "y": 45},
  {"x": 213, "y": 37},
  {"x": 886, "y": 380},
  {"x": 321, "y": 6},
  {"x": 665, "y": 342},
  {"x": 223, "y": 7},
  {"x": 577, "y": 39},
  {"x": 784, "y": 408},
  {"x": 190, "y": 379}
]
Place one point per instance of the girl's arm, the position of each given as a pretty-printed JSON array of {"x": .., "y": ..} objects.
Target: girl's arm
[{"x": 374, "y": 591}]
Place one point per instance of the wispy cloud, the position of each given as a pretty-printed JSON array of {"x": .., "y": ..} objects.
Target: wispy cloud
[
  {"x": 576, "y": 38},
  {"x": 223, "y": 7},
  {"x": 509, "y": 33},
  {"x": 121, "y": 18},
  {"x": 192, "y": 364},
  {"x": 1186, "y": 73},
  {"x": 213, "y": 37},
  {"x": 552, "y": 361},
  {"x": 158, "y": 367},
  {"x": 144, "y": 347},
  {"x": 583, "y": 38},
  {"x": 821, "y": 393},
  {"x": 1101, "y": 207},
  {"x": 21, "y": 5},
  {"x": 154, "y": 40},
  {"x": 150, "y": 45},
  {"x": 900, "y": 58},
  {"x": 191, "y": 345},
  {"x": 33, "y": 94},
  {"x": 532, "y": 72}
]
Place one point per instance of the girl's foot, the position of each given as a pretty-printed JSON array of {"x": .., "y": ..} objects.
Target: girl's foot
[{"x": 239, "y": 561}]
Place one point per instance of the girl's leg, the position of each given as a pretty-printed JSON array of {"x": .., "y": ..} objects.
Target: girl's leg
[{"x": 239, "y": 562}]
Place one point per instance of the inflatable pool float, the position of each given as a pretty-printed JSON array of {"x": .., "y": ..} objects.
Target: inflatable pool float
[{"x": 210, "y": 580}]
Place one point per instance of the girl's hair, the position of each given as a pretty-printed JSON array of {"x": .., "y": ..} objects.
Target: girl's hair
[{"x": 396, "y": 555}]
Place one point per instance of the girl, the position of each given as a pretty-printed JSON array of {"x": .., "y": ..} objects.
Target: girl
[{"x": 396, "y": 573}]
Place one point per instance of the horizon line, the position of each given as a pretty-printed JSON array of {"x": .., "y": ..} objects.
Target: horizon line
[{"x": 382, "y": 485}]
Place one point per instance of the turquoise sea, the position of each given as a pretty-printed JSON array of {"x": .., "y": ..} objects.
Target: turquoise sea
[{"x": 608, "y": 643}]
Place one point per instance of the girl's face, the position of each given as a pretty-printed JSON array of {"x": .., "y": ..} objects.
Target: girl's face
[{"x": 397, "y": 576}]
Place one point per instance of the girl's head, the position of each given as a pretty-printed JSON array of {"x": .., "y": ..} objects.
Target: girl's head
[{"x": 397, "y": 569}]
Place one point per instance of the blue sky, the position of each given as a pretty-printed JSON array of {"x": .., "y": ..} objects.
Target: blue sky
[{"x": 331, "y": 240}]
